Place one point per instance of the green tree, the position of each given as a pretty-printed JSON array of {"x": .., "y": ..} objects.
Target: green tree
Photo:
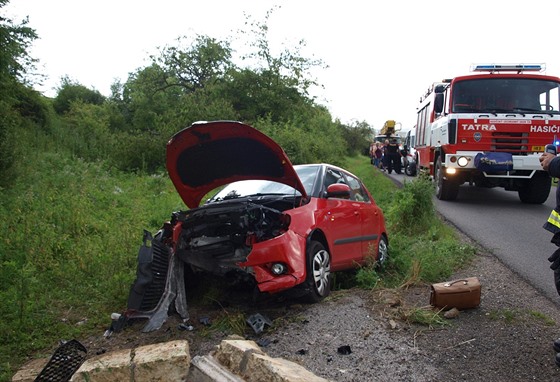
[
  {"x": 270, "y": 85},
  {"x": 15, "y": 63},
  {"x": 289, "y": 66},
  {"x": 71, "y": 91},
  {"x": 192, "y": 65},
  {"x": 357, "y": 135},
  {"x": 15, "y": 39}
]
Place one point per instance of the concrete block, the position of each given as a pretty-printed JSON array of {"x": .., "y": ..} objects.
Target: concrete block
[
  {"x": 30, "y": 370},
  {"x": 169, "y": 361},
  {"x": 109, "y": 367},
  {"x": 264, "y": 368},
  {"x": 208, "y": 369},
  {"x": 234, "y": 353}
]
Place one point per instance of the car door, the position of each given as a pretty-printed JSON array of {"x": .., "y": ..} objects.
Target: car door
[
  {"x": 343, "y": 226},
  {"x": 369, "y": 217}
]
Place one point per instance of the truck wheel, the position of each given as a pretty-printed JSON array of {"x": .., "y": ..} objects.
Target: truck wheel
[
  {"x": 536, "y": 190},
  {"x": 446, "y": 189}
]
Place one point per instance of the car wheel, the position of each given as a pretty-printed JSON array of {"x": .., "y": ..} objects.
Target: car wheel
[
  {"x": 318, "y": 272},
  {"x": 382, "y": 252},
  {"x": 410, "y": 169}
]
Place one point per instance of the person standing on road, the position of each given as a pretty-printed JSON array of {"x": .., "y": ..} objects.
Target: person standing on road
[
  {"x": 379, "y": 156},
  {"x": 551, "y": 164},
  {"x": 372, "y": 147},
  {"x": 394, "y": 162},
  {"x": 385, "y": 158}
]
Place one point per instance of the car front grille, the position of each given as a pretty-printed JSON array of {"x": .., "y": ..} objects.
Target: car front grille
[{"x": 159, "y": 267}]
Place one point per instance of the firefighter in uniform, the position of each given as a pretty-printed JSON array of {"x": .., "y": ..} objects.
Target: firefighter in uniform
[
  {"x": 394, "y": 162},
  {"x": 551, "y": 163}
]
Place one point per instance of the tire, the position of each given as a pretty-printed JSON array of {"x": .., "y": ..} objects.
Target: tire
[
  {"x": 536, "y": 190},
  {"x": 318, "y": 282},
  {"x": 382, "y": 252},
  {"x": 410, "y": 169},
  {"x": 446, "y": 189}
]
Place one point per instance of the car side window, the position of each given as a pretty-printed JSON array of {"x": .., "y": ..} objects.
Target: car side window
[
  {"x": 331, "y": 177},
  {"x": 358, "y": 193}
]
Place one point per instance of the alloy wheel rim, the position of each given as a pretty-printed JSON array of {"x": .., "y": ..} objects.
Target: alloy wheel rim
[{"x": 321, "y": 271}]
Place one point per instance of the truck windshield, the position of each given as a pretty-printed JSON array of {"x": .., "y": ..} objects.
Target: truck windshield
[{"x": 501, "y": 95}]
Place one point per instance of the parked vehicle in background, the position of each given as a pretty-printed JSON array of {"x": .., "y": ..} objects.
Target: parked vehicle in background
[
  {"x": 489, "y": 130},
  {"x": 272, "y": 226},
  {"x": 389, "y": 130},
  {"x": 409, "y": 160}
]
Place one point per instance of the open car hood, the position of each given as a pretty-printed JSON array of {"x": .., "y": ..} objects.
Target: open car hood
[{"x": 207, "y": 155}]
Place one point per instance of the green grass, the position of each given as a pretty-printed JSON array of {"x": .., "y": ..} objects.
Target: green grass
[
  {"x": 511, "y": 316},
  {"x": 424, "y": 316},
  {"x": 72, "y": 229}
]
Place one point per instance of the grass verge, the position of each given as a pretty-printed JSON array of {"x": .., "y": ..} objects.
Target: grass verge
[{"x": 72, "y": 229}]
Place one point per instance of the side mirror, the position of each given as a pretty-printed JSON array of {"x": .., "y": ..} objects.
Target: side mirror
[
  {"x": 339, "y": 190},
  {"x": 438, "y": 103}
]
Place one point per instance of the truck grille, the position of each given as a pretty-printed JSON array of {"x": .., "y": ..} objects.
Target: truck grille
[{"x": 515, "y": 143}]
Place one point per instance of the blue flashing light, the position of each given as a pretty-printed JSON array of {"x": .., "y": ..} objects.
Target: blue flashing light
[{"x": 508, "y": 67}]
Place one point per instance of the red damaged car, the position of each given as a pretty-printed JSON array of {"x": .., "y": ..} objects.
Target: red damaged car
[{"x": 276, "y": 226}]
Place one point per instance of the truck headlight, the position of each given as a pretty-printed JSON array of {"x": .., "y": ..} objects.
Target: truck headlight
[{"x": 463, "y": 161}]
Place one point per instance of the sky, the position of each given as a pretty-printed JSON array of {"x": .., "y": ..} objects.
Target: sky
[{"x": 381, "y": 56}]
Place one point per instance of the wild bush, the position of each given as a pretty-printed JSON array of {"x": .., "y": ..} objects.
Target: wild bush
[
  {"x": 8, "y": 120},
  {"x": 85, "y": 131},
  {"x": 139, "y": 152},
  {"x": 412, "y": 209},
  {"x": 71, "y": 92}
]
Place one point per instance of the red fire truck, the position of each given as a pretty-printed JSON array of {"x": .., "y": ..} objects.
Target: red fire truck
[{"x": 488, "y": 129}]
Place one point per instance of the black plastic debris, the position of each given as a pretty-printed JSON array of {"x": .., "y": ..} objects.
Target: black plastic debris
[
  {"x": 186, "y": 327},
  {"x": 263, "y": 342},
  {"x": 205, "y": 321},
  {"x": 118, "y": 322},
  {"x": 257, "y": 322},
  {"x": 66, "y": 359},
  {"x": 344, "y": 350}
]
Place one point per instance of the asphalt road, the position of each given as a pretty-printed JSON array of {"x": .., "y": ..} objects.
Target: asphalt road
[{"x": 511, "y": 230}]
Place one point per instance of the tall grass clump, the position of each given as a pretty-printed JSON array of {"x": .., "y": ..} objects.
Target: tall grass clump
[
  {"x": 422, "y": 249},
  {"x": 412, "y": 210}
]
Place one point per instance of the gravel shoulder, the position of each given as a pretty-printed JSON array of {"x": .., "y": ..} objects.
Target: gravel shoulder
[{"x": 508, "y": 338}]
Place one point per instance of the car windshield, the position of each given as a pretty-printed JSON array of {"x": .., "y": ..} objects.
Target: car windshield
[
  {"x": 246, "y": 188},
  {"x": 255, "y": 187},
  {"x": 307, "y": 176}
]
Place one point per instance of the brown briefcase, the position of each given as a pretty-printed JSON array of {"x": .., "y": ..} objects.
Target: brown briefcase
[{"x": 460, "y": 294}]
